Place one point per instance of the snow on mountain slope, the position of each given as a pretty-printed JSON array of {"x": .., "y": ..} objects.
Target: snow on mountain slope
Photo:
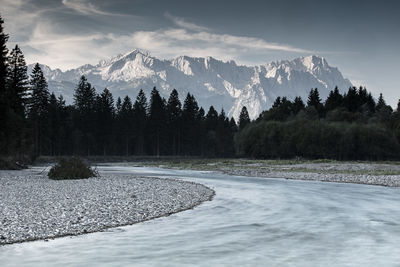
[{"x": 213, "y": 82}]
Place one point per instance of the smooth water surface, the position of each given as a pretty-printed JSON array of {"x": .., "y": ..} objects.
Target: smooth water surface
[{"x": 250, "y": 222}]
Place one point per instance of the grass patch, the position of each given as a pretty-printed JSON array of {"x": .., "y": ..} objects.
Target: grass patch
[{"x": 72, "y": 168}]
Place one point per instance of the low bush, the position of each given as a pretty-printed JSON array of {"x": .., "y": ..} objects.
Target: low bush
[{"x": 72, "y": 168}]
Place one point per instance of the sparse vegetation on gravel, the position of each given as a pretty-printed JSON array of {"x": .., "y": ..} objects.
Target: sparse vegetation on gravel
[{"x": 72, "y": 168}]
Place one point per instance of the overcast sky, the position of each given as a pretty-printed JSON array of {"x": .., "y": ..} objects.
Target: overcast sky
[{"x": 361, "y": 38}]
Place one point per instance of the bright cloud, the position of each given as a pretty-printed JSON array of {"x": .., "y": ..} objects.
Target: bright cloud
[{"x": 85, "y": 7}]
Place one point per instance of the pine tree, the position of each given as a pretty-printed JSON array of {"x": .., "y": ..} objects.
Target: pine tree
[
  {"x": 118, "y": 105},
  {"x": 84, "y": 102},
  {"x": 174, "y": 118},
  {"x": 4, "y": 131},
  {"x": 297, "y": 105},
  {"x": 3, "y": 64},
  {"x": 190, "y": 125},
  {"x": 18, "y": 83},
  {"x": 125, "y": 123},
  {"x": 244, "y": 118},
  {"x": 381, "y": 102},
  {"x": 39, "y": 92},
  {"x": 38, "y": 109},
  {"x": 16, "y": 94},
  {"x": 140, "y": 118},
  {"x": 156, "y": 121},
  {"x": 105, "y": 117},
  {"x": 59, "y": 131},
  {"x": 315, "y": 101},
  {"x": 334, "y": 100},
  {"x": 84, "y": 96},
  {"x": 351, "y": 100}
]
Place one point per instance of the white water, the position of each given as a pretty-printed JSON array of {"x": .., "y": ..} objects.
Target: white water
[{"x": 250, "y": 222}]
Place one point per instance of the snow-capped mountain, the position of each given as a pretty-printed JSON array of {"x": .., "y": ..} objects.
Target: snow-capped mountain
[{"x": 213, "y": 82}]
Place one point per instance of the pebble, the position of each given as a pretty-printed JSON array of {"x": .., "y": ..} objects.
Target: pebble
[{"x": 33, "y": 207}]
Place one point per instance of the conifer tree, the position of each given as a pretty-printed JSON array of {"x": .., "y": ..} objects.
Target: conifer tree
[
  {"x": 156, "y": 121},
  {"x": 38, "y": 109},
  {"x": 3, "y": 64},
  {"x": 140, "y": 118},
  {"x": 244, "y": 118},
  {"x": 174, "y": 118},
  {"x": 190, "y": 125},
  {"x": 18, "y": 83},
  {"x": 125, "y": 123},
  {"x": 118, "y": 105},
  {"x": 381, "y": 102},
  {"x": 16, "y": 95},
  {"x": 315, "y": 101},
  {"x": 84, "y": 102},
  {"x": 334, "y": 100},
  {"x": 297, "y": 105},
  {"x": 4, "y": 130},
  {"x": 105, "y": 117}
]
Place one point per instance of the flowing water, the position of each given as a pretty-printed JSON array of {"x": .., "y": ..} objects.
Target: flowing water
[{"x": 250, "y": 222}]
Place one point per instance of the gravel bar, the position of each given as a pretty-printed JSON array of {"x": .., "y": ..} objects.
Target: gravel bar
[
  {"x": 33, "y": 207},
  {"x": 383, "y": 180}
]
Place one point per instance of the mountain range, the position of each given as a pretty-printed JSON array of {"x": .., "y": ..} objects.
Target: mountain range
[{"x": 213, "y": 82}]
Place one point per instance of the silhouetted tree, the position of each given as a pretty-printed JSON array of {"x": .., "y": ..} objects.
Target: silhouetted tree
[
  {"x": 105, "y": 112},
  {"x": 38, "y": 109},
  {"x": 156, "y": 121},
  {"x": 334, "y": 100},
  {"x": 244, "y": 118},
  {"x": 84, "y": 102},
  {"x": 140, "y": 118},
  {"x": 4, "y": 102},
  {"x": 190, "y": 125},
  {"x": 315, "y": 101},
  {"x": 174, "y": 121}
]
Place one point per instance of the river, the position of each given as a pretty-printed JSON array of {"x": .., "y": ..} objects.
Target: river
[{"x": 250, "y": 222}]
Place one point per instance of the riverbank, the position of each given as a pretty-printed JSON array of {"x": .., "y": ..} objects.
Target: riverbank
[
  {"x": 372, "y": 173},
  {"x": 33, "y": 207}
]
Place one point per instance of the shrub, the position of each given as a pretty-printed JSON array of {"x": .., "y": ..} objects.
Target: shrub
[{"x": 73, "y": 168}]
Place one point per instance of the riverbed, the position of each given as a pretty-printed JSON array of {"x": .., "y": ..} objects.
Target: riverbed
[{"x": 250, "y": 222}]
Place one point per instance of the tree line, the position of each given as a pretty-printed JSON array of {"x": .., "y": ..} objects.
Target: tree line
[
  {"x": 348, "y": 126},
  {"x": 35, "y": 122}
]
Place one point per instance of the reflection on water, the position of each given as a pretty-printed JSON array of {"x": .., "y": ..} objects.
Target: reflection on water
[{"x": 250, "y": 222}]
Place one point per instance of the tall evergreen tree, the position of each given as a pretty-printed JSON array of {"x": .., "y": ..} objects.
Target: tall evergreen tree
[
  {"x": 38, "y": 109},
  {"x": 125, "y": 123},
  {"x": 190, "y": 125},
  {"x": 18, "y": 82},
  {"x": 16, "y": 94},
  {"x": 351, "y": 100},
  {"x": 334, "y": 100},
  {"x": 84, "y": 102},
  {"x": 105, "y": 113},
  {"x": 156, "y": 121},
  {"x": 381, "y": 102},
  {"x": 3, "y": 93},
  {"x": 315, "y": 101},
  {"x": 297, "y": 105},
  {"x": 140, "y": 118},
  {"x": 174, "y": 118},
  {"x": 244, "y": 118}
]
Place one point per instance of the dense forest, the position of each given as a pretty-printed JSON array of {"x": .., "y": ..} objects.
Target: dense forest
[
  {"x": 349, "y": 126},
  {"x": 35, "y": 122}
]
